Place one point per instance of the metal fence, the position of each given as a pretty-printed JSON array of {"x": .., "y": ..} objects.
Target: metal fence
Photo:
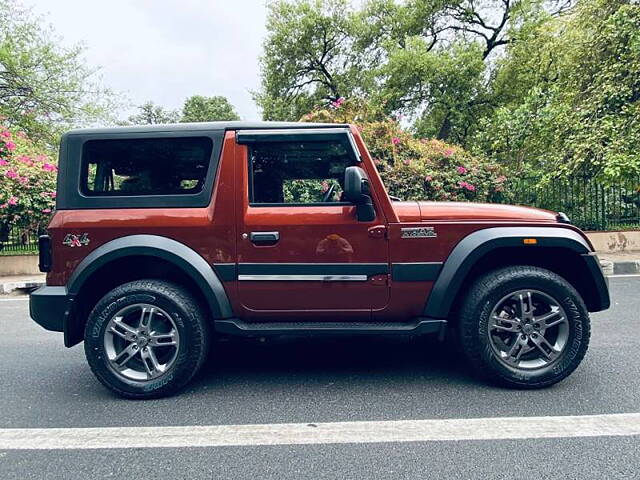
[
  {"x": 18, "y": 242},
  {"x": 590, "y": 204}
]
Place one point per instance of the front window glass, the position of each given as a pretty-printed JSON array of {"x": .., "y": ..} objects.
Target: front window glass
[{"x": 298, "y": 172}]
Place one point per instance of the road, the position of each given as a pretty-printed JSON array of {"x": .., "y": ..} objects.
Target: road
[{"x": 313, "y": 381}]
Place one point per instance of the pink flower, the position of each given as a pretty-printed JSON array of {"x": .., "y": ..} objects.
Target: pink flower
[
  {"x": 461, "y": 170},
  {"x": 338, "y": 103},
  {"x": 3, "y": 162},
  {"x": 52, "y": 194},
  {"x": 11, "y": 174},
  {"x": 467, "y": 186},
  {"x": 46, "y": 210},
  {"x": 325, "y": 186},
  {"x": 13, "y": 201},
  {"x": 448, "y": 152},
  {"x": 49, "y": 167},
  {"x": 41, "y": 158},
  {"x": 10, "y": 146},
  {"x": 23, "y": 180},
  {"x": 4, "y": 205},
  {"x": 395, "y": 140},
  {"x": 6, "y": 134},
  {"x": 406, "y": 161},
  {"x": 428, "y": 178}
]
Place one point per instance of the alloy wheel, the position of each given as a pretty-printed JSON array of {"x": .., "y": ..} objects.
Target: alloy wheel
[
  {"x": 528, "y": 329},
  {"x": 141, "y": 342}
]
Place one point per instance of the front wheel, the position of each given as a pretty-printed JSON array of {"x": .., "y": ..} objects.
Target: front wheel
[
  {"x": 524, "y": 327},
  {"x": 146, "y": 339}
]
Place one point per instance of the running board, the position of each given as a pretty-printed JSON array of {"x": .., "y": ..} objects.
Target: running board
[{"x": 419, "y": 326}]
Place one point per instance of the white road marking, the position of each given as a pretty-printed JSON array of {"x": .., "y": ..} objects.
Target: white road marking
[
  {"x": 624, "y": 275},
  {"x": 501, "y": 428}
]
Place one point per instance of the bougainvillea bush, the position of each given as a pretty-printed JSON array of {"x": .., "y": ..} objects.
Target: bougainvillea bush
[
  {"x": 27, "y": 184},
  {"x": 417, "y": 168}
]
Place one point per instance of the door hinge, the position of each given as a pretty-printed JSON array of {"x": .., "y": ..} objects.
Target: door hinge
[{"x": 378, "y": 231}]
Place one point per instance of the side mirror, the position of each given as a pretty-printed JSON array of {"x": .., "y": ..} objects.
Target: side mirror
[{"x": 356, "y": 191}]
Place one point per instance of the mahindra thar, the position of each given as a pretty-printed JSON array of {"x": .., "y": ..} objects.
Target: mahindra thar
[{"x": 165, "y": 237}]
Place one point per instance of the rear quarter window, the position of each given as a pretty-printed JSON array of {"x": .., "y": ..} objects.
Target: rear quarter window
[{"x": 149, "y": 166}]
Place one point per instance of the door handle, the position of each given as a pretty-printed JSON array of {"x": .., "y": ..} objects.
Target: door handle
[{"x": 264, "y": 238}]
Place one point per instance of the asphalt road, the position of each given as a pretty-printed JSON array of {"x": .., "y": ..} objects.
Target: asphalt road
[{"x": 44, "y": 385}]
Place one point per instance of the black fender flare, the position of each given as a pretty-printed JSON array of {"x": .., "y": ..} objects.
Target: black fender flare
[
  {"x": 477, "y": 244},
  {"x": 182, "y": 256}
]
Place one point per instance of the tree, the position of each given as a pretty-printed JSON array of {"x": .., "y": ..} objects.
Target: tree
[
  {"x": 150, "y": 114},
  {"x": 45, "y": 88},
  {"x": 570, "y": 91},
  {"x": 432, "y": 60},
  {"x": 208, "y": 109},
  {"x": 308, "y": 57}
]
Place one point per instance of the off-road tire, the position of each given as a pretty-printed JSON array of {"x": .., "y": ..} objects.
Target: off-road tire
[
  {"x": 473, "y": 325},
  {"x": 190, "y": 321}
]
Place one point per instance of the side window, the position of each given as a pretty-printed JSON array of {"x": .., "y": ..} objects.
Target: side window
[
  {"x": 298, "y": 172},
  {"x": 145, "y": 166}
]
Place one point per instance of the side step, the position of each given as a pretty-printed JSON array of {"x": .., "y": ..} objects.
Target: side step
[{"x": 418, "y": 326}]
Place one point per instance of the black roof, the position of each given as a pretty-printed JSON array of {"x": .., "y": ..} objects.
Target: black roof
[{"x": 204, "y": 126}]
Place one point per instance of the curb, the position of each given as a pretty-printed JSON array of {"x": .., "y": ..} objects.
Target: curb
[
  {"x": 628, "y": 267},
  {"x": 19, "y": 287}
]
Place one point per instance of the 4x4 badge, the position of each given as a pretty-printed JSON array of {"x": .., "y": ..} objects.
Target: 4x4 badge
[
  {"x": 418, "y": 232},
  {"x": 71, "y": 240}
]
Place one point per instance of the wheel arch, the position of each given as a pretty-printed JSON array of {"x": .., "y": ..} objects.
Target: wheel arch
[
  {"x": 560, "y": 250},
  {"x": 138, "y": 255}
]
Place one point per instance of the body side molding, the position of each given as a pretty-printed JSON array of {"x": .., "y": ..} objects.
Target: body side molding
[{"x": 475, "y": 245}]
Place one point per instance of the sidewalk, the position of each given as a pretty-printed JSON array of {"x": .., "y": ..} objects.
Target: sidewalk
[
  {"x": 20, "y": 284},
  {"x": 620, "y": 263}
]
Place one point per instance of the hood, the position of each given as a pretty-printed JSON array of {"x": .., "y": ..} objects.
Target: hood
[{"x": 483, "y": 211}]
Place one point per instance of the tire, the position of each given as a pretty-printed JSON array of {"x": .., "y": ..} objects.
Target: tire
[
  {"x": 146, "y": 339},
  {"x": 512, "y": 352}
]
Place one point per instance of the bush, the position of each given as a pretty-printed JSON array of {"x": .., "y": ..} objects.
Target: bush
[
  {"x": 413, "y": 168},
  {"x": 27, "y": 184}
]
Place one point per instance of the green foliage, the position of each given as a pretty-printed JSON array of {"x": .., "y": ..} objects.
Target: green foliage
[
  {"x": 195, "y": 109},
  {"x": 208, "y": 109},
  {"x": 27, "y": 183},
  {"x": 417, "y": 169},
  {"x": 45, "y": 88},
  {"x": 151, "y": 114},
  {"x": 571, "y": 95},
  {"x": 308, "y": 57}
]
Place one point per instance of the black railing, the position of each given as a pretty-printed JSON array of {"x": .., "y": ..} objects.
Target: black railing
[
  {"x": 590, "y": 204},
  {"x": 14, "y": 241}
]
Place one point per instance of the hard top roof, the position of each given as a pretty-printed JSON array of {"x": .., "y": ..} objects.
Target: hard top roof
[{"x": 204, "y": 126}]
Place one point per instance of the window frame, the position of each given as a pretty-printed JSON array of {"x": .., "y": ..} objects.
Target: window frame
[
  {"x": 71, "y": 173},
  {"x": 253, "y": 137}
]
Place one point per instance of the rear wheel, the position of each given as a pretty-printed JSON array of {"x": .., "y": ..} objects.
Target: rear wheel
[
  {"x": 146, "y": 339},
  {"x": 524, "y": 327}
]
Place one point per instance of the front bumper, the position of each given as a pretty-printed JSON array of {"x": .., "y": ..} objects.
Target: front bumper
[{"x": 48, "y": 306}]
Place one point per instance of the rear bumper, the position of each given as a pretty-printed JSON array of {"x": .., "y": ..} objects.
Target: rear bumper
[
  {"x": 601, "y": 299},
  {"x": 48, "y": 306}
]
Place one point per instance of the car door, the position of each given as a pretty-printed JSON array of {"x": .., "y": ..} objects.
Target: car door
[{"x": 302, "y": 253}]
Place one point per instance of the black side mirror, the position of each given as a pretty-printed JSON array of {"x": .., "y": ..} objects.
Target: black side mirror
[{"x": 356, "y": 191}]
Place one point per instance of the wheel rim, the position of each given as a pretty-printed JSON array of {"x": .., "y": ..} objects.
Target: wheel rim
[
  {"x": 141, "y": 342},
  {"x": 528, "y": 330}
]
